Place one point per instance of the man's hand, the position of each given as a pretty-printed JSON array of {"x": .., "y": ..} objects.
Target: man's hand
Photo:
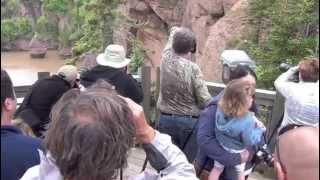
[{"x": 144, "y": 132}]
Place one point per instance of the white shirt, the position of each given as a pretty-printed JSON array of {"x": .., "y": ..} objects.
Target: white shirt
[
  {"x": 178, "y": 166},
  {"x": 302, "y": 100}
]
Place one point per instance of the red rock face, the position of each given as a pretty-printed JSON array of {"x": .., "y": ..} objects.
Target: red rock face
[{"x": 215, "y": 22}]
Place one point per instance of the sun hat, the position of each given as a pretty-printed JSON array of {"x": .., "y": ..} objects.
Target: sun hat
[
  {"x": 113, "y": 56},
  {"x": 68, "y": 73}
]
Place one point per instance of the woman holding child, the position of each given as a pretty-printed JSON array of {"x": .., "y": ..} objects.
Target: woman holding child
[{"x": 214, "y": 127}]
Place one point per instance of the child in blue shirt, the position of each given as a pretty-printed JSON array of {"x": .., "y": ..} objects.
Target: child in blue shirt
[{"x": 236, "y": 127}]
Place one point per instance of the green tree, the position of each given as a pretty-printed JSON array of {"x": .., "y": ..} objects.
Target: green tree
[
  {"x": 12, "y": 29},
  {"x": 99, "y": 19},
  {"x": 293, "y": 31},
  {"x": 137, "y": 55},
  {"x": 46, "y": 29},
  {"x": 9, "y": 8},
  {"x": 58, "y": 6}
]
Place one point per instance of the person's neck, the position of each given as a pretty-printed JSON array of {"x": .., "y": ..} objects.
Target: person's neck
[
  {"x": 185, "y": 56},
  {"x": 6, "y": 118}
]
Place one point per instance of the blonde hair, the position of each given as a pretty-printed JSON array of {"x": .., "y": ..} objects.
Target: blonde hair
[
  {"x": 24, "y": 127},
  {"x": 235, "y": 97}
]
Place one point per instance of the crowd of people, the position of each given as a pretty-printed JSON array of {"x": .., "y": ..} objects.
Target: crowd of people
[{"x": 82, "y": 127}]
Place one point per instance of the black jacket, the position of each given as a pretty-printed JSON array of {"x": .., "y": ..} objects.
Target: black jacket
[
  {"x": 124, "y": 83},
  {"x": 40, "y": 99}
]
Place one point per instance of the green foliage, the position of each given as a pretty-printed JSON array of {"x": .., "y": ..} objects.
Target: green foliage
[
  {"x": 46, "y": 29},
  {"x": 293, "y": 32},
  {"x": 7, "y": 30},
  {"x": 64, "y": 37},
  {"x": 90, "y": 41},
  {"x": 12, "y": 29},
  {"x": 58, "y": 6},
  {"x": 9, "y": 8},
  {"x": 98, "y": 19},
  {"x": 137, "y": 56},
  {"x": 23, "y": 26}
]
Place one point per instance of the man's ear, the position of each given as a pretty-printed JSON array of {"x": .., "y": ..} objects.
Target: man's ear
[{"x": 279, "y": 171}]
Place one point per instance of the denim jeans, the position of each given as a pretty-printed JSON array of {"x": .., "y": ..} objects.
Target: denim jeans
[{"x": 182, "y": 130}]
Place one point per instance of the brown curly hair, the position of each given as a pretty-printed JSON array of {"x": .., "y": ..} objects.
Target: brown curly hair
[
  {"x": 90, "y": 134},
  {"x": 309, "y": 69},
  {"x": 234, "y": 100}
]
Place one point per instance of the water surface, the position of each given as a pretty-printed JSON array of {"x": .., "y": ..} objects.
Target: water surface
[{"x": 23, "y": 69}]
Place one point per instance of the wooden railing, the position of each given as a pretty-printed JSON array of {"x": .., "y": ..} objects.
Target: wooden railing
[{"x": 270, "y": 103}]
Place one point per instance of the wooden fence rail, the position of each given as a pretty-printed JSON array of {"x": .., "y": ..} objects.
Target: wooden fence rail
[{"x": 270, "y": 103}]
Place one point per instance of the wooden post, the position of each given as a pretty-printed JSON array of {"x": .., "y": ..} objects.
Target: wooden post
[
  {"x": 146, "y": 85},
  {"x": 157, "y": 96},
  {"x": 277, "y": 112}
]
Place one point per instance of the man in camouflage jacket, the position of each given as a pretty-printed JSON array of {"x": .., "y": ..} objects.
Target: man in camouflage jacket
[{"x": 183, "y": 92}]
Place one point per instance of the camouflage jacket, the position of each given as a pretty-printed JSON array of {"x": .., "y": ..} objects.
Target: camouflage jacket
[{"x": 182, "y": 89}]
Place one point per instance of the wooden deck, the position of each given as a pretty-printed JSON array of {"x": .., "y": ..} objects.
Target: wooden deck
[{"x": 136, "y": 160}]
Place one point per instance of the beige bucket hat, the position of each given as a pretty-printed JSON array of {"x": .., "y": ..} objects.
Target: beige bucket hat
[{"x": 113, "y": 56}]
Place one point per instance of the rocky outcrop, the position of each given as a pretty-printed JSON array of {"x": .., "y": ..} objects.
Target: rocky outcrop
[
  {"x": 232, "y": 25},
  {"x": 215, "y": 23},
  {"x": 146, "y": 26},
  {"x": 65, "y": 53},
  {"x": 38, "y": 48}
]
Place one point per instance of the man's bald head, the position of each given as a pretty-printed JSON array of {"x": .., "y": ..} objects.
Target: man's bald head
[{"x": 299, "y": 154}]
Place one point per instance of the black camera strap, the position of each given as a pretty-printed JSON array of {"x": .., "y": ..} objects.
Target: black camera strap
[{"x": 275, "y": 130}]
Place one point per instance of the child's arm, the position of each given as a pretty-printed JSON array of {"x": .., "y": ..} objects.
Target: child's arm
[{"x": 252, "y": 136}]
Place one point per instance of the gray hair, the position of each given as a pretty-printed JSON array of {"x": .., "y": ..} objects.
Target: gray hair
[
  {"x": 183, "y": 41},
  {"x": 90, "y": 134}
]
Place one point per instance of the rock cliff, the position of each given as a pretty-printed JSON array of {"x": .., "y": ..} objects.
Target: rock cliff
[{"x": 215, "y": 22}]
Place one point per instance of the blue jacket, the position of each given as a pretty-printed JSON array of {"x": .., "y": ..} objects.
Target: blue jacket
[
  {"x": 206, "y": 137},
  {"x": 237, "y": 133},
  {"x": 18, "y": 153}
]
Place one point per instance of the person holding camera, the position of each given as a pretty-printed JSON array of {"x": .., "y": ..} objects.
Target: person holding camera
[
  {"x": 301, "y": 98},
  {"x": 112, "y": 66},
  {"x": 183, "y": 92},
  {"x": 210, "y": 149},
  {"x": 91, "y": 134},
  {"x": 44, "y": 93}
]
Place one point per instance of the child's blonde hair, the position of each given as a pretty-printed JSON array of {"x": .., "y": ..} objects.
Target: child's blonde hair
[
  {"x": 235, "y": 97},
  {"x": 24, "y": 127}
]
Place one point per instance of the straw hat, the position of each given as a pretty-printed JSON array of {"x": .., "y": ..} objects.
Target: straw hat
[
  {"x": 113, "y": 56},
  {"x": 68, "y": 73}
]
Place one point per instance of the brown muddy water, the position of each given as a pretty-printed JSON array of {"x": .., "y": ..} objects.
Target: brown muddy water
[{"x": 23, "y": 69}]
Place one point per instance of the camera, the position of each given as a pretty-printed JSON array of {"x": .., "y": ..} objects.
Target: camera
[
  {"x": 264, "y": 155},
  {"x": 285, "y": 67}
]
